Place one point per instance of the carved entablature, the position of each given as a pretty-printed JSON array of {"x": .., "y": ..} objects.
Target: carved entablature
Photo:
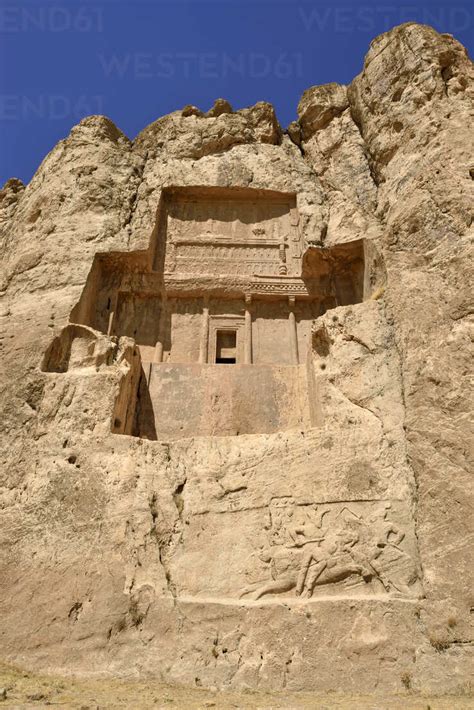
[
  {"x": 239, "y": 287},
  {"x": 281, "y": 286},
  {"x": 228, "y": 231}
]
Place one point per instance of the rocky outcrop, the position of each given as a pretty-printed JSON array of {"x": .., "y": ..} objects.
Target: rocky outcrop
[
  {"x": 332, "y": 144},
  {"x": 186, "y": 555},
  {"x": 192, "y": 134},
  {"x": 416, "y": 123}
]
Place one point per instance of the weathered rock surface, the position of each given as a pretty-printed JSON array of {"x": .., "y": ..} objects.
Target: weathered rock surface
[{"x": 183, "y": 558}]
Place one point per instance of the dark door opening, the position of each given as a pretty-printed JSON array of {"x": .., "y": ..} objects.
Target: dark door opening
[{"x": 226, "y": 347}]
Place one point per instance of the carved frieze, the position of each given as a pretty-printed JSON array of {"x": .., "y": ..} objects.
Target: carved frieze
[
  {"x": 222, "y": 234},
  {"x": 294, "y": 550},
  {"x": 351, "y": 546}
]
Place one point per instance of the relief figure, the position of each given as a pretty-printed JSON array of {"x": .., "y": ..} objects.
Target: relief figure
[{"x": 311, "y": 545}]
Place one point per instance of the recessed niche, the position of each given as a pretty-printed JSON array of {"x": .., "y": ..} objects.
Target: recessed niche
[
  {"x": 226, "y": 280},
  {"x": 226, "y": 347}
]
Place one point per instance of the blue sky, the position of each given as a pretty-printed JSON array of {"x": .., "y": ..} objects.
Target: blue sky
[{"x": 136, "y": 60}]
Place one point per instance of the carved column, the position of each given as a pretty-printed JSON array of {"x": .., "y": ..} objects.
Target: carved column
[
  {"x": 110, "y": 325},
  {"x": 158, "y": 352},
  {"x": 158, "y": 356},
  {"x": 282, "y": 269},
  {"x": 204, "y": 342},
  {"x": 248, "y": 331},
  {"x": 293, "y": 331}
]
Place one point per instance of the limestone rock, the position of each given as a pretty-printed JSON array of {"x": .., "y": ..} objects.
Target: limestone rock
[
  {"x": 319, "y": 106},
  {"x": 420, "y": 141},
  {"x": 220, "y": 106},
  {"x": 334, "y": 147},
  {"x": 294, "y": 131},
  {"x": 194, "y": 135},
  {"x": 190, "y": 110},
  {"x": 11, "y": 192},
  {"x": 234, "y": 397}
]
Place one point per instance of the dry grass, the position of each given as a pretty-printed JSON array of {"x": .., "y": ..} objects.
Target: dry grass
[
  {"x": 439, "y": 644},
  {"x": 29, "y": 691},
  {"x": 406, "y": 679}
]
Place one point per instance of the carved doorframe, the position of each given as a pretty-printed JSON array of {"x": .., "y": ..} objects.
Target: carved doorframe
[{"x": 223, "y": 322}]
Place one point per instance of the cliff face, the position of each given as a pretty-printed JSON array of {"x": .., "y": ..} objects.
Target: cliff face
[{"x": 208, "y": 560}]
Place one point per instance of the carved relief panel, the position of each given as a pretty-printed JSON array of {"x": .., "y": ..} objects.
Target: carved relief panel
[
  {"x": 239, "y": 232},
  {"x": 339, "y": 548},
  {"x": 301, "y": 550}
]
